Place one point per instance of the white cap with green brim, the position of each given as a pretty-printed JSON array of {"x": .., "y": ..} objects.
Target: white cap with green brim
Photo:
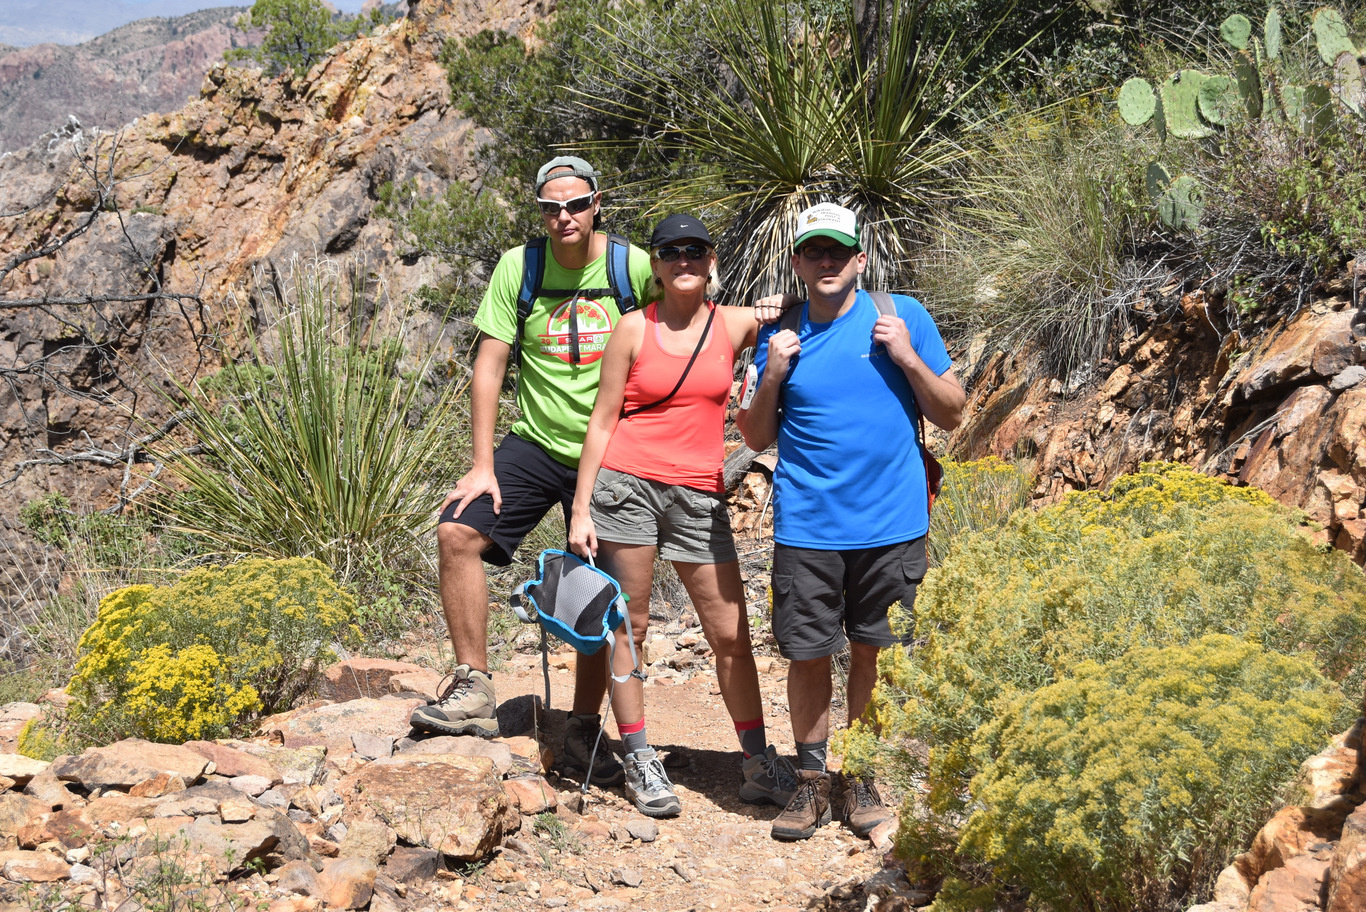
[{"x": 828, "y": 220}]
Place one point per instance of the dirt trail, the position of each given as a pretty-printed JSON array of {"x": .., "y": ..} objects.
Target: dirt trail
[{"x": 716, "y": 855}]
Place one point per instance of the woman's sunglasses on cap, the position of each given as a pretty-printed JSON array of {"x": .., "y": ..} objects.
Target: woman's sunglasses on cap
[
  {"x": 691, "y": 251},
  {"x": 575, "y": 206}
]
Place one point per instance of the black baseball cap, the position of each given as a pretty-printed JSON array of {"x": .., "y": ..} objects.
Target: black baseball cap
[{"x": 676, "y": 228}]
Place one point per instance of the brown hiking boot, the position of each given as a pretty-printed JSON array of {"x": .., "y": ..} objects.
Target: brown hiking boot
[
  {"x": 863, "y": 809},
  {"x": 809, "y": 809}
]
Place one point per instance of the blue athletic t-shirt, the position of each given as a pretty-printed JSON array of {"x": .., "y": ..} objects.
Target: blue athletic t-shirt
[{"x": 849, "y": 471}]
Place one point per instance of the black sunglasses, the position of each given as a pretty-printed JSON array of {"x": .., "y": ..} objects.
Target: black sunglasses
[
  {"x": 692, "y": 252},
  {"x": 815, "y": 252},
  {"x": 575, "y": 206}
]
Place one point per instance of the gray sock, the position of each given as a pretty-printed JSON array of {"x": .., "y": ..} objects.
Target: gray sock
[
  {"x": 635, "y": 741},
  {"x": 811, "y": 755}
]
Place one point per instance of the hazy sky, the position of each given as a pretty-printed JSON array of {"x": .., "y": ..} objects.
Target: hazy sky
[{"x": 25, "y": 22}]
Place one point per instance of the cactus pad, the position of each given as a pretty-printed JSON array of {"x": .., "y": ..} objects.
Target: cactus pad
[
  {"x": 1271, "y": 33},
  {"x": 1181, "y": 104},
  {"x": 1137, "y": 101},
  {"x": 1351, "y": 84},
  {"x": 1157, "y": 180},
  {"x": 1181, "y": 206},
  {"x": 1330, "y": 34},
  {"x": 1248, "y": 80},
  {"x": 1236, "y": 30},
  {"x": 1219, "y": 101}
]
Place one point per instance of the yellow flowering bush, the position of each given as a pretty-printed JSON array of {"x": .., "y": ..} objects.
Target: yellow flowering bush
[
  {"x": 200, "y": 658},
  {"x": 1130, "y": 785},
  {"x": 1162, "y": 558}
]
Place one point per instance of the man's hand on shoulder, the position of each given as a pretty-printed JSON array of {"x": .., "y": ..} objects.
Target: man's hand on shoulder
[
  {"x": 472, "y": 484},
  {"x": 892, "y": 334}
]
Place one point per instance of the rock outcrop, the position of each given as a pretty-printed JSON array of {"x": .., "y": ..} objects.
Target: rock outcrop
[{"x": 1285, "y": 411}]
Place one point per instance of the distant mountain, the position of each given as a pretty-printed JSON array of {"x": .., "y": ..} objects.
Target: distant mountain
[
  {"x": 28, "y": 22},
  {"x": 145, "y": 66}
]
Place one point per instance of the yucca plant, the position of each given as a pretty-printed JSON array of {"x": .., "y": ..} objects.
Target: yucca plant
[
  {"x": 321, "y": 447},
  {"x": 797, "y": 112}
]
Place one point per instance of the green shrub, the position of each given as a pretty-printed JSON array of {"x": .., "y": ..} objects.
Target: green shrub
[
  {"x": 976, "y": 495},
  {"x": 200, "y": 658},
  {"x": 1130, "y": 785},
  {"x": 322, "y": 446},
  {"x": 1162, "y": 558}
]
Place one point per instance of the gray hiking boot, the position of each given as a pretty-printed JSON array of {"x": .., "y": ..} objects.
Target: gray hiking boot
[
  {"x": 465, "y": 705},
  {"x": 579, "y": 734},
  {"x": 648, "y": 785},
  {"x": 768, "y": 778}
]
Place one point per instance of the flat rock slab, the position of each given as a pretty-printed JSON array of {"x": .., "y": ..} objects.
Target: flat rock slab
[
  {"x": 33, "y": 867},
  {"x": 124, "y": 764},
  {"x": 355, "y": 678},
  {"x": 301, "y": 765},
  {"x": 20, "y": 768},
  {"x": 332, "y": 725},
  {"x": 455, "y": 805},
  {"x": 232, "y": 761},
  {"x": 496, "y": 752}
]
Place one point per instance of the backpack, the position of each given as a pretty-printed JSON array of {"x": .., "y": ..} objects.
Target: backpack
[
  {"x": 934, "y": 472},
  {"x": 533, "y": 274},
  {"x": 581, "y": 605}
]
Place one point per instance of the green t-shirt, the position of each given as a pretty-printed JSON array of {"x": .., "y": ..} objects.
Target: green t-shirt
[{"x": 554, "y": 394}]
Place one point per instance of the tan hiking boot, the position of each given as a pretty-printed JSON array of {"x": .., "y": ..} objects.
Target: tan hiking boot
[
  {"x": 863, "y": 809},
  {"x": 464, "y": 706},
  {"x": 809, "y": 809}
]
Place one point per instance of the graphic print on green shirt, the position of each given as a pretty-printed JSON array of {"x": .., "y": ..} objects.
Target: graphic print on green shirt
[{"x": 554, "y": 395}]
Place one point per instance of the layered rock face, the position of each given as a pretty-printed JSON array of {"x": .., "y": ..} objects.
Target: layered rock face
[
  {"x": 252, "y": 172},
  {"x": 1285, "y": 411}
]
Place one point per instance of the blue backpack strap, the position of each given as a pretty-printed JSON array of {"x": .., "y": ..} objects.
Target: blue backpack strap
[
  {"x": 533, "y": 274},
  {"x": 619, "y": 272}
]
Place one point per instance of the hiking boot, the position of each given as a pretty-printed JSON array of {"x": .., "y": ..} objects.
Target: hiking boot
[
  {"x": 579, "y": 734},
  {"x": 809, "y": 809},
  {"x": 648, "y": 785},
  {"x": 768, "y": 778},
  {"x": 863, "y": 809},
  {"x": 465, "y": 705}
]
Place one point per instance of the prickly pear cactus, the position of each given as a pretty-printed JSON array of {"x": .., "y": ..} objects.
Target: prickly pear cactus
[
  {"x": 1137, "y": 101},
  {"x": 1236, "y": 30},
  {"x": 1181, "y": 206},
  {"x": 1350, "y": 84},
  {"x": 1219, "y": 100},
  {"x": 1330, "y": 34},
  {"x": 1157, "y": 180},
  {"x": 1271, "y": 33},
  {"x": 1248, "y": 79},
  {"x": 1181, "y": 104}
]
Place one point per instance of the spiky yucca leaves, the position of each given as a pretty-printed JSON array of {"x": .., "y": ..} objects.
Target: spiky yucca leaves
[
  {"x": 320, "y": 447},
  {"x": 794, "y": 115}
]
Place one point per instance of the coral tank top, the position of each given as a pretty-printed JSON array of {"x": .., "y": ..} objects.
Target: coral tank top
[{"x": 681, "y": 441}]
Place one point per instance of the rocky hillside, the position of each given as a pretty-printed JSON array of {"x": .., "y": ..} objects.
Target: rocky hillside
[
  {"x": 252, "y": 172},
  {"x": 145, "y": 66}
]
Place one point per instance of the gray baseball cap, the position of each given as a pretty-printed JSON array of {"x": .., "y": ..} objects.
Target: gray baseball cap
[{"x": 566, "y": 166}]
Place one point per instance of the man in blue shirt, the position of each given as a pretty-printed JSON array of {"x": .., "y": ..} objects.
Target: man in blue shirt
[{"x": 842, "y": 396}]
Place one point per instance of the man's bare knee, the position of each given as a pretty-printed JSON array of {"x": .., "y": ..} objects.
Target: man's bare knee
[{"x": 457, "y": 540}]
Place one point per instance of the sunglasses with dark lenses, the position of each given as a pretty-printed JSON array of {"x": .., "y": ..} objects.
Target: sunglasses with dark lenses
[
  {"x": 692, "y": 252},
  {"x": 815, "y": 252},
  {"x": 575, "y": 206}
]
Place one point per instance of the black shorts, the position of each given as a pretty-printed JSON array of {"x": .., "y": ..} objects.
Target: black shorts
[
  {"x": 531, "y": 482},
  {"x": 822, "y": 599}
]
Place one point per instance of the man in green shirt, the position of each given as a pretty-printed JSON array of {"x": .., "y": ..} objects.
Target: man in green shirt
[{"x": 510, "y": 489}]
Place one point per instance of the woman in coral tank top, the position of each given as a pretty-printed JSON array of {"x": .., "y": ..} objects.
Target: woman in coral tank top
[{"x": 650, "y": 479}]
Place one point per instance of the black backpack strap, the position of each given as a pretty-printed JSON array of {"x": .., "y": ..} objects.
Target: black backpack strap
[{"x": 533, "y": 274}]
